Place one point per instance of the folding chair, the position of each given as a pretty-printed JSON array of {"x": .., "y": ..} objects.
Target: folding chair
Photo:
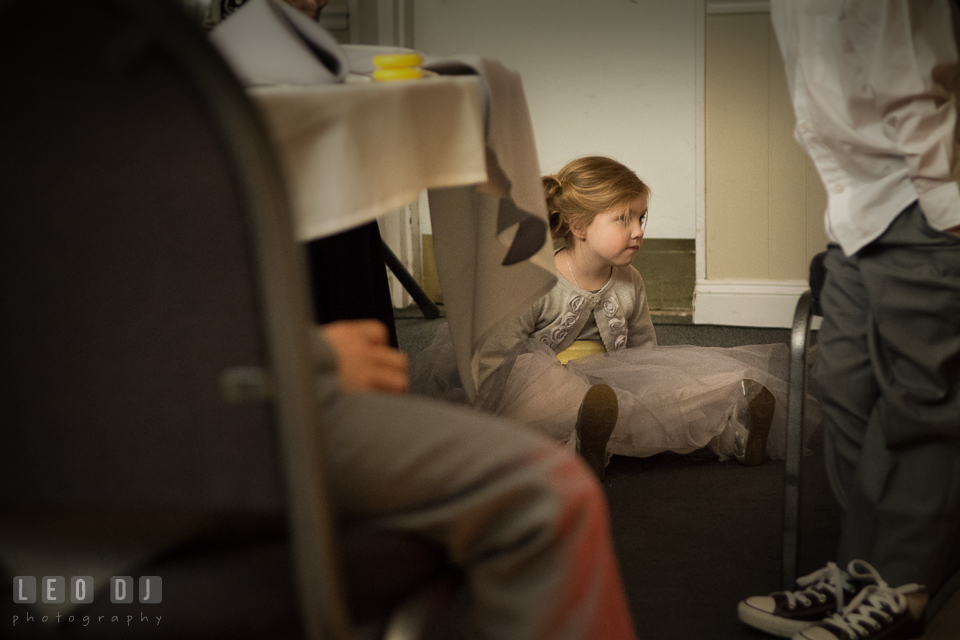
[
  {"x": 807, "y": 307},
  {"x": 150, "y": 274}
]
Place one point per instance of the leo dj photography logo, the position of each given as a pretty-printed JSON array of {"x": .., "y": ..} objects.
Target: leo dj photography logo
[{"x": 53, "y": 590}]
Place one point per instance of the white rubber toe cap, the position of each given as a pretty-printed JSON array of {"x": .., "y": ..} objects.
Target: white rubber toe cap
[
  {"x": 757, "y": 611},
  {"x": 815, "y": 633},
  {"x": 766, "y": 604}
]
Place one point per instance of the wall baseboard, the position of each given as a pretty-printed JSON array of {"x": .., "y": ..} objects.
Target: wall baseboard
[
  {"x": 669, "y": 269},
  {"x": 431, "y": 279},
  {"x": 728, "y": 7},
  {"x": 747, "y": 303}
]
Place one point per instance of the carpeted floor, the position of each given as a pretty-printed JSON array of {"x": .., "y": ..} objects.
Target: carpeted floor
[{"x": 695, "y": 536}]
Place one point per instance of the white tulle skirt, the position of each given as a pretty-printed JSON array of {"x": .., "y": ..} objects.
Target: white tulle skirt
[{"x": 672, "y": 398}]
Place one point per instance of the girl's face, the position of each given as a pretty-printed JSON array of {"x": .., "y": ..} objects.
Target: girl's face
[{"x": 615, "y": 235}]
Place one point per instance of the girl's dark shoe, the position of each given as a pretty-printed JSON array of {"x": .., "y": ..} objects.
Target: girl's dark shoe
[
  {"x": 595, "y": 422},
  {"x": 750, "y": 440}
]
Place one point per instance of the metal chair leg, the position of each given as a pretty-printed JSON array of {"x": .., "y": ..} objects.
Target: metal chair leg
[
  {"x": 796, "y": 391},
  {"x": 427, "y": 307}
]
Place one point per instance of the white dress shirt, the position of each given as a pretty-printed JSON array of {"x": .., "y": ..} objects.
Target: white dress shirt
[{"x": 874, "y": 87}]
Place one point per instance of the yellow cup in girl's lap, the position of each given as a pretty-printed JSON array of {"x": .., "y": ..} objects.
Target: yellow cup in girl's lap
[{"x": 581, "y": 349}]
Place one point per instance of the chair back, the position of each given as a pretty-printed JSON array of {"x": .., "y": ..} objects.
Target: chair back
[{"x": 149, "y": 262}]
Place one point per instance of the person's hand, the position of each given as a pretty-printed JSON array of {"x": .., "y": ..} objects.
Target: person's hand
[
  {"x": 365, "y": 361},
  {"x": 954, "y": 231},
  {"x": 310, "y": 7}
]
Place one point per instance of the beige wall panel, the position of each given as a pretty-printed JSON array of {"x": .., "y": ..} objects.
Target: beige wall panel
[
  {"x": 764, "y": 200},
  {"x": 736, "y": 147},
  {"x": 788, "y": 178}
]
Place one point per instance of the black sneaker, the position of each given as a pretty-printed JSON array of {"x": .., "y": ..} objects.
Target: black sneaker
[
  {"x": 595, "y": 422},
  {"x": 879, "y": 611},
  {"x": 822, "y": 594}
]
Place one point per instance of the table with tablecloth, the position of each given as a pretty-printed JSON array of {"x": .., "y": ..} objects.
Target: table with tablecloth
[{"x": 354, "y": 151}]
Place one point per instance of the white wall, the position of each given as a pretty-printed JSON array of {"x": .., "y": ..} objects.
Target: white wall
[{"x": 610, "y": 77}]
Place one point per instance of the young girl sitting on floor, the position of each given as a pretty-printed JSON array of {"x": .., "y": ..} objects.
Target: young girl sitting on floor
[{"x": 543, "y": 367}]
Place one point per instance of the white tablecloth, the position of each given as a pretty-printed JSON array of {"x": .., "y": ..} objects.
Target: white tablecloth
[{"x": 353, "y": 152}]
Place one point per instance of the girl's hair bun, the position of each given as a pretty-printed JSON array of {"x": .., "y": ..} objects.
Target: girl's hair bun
[
  {"x": 551, "y": 187},
  {"x": 553, "y": 192}
]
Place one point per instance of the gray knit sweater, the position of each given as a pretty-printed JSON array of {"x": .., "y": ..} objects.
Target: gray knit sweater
[{"x": 620, "y": 309}]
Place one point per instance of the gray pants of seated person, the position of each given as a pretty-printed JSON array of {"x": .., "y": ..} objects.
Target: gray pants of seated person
[
  {"x": 889, "y": 379},
  {"x": 522, "y": 517}
]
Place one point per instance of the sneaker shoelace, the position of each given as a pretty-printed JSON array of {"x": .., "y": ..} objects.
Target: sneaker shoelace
[
  {"x": 873, "y": 607},
  {"x": 829, "y": 579}
]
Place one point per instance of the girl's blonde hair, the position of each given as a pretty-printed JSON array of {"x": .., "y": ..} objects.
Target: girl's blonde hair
[{"x": 586, "y": 187}]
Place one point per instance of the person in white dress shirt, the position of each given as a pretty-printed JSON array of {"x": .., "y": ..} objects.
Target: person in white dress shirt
[{"x": 874, "y": 87}]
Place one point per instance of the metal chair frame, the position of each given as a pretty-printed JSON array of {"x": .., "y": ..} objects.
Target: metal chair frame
[{"x": 796, "y": 392}]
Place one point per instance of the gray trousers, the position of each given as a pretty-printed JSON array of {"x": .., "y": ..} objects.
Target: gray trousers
[
  {"x": 524, "y": 519},
  {"x": 889, "y": 381}
]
